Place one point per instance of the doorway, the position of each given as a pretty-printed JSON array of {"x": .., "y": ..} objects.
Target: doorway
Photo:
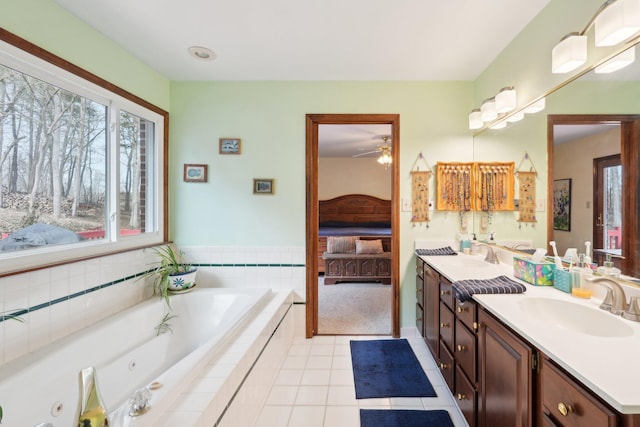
[
  {"x": 313, "y": 121},
  {"x": 607, "y": 209}
]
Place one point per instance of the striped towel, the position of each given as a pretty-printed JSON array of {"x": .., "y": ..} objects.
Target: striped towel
[
  {"x": 465, "y": 289},
  {"x": 439, "y": 251}
]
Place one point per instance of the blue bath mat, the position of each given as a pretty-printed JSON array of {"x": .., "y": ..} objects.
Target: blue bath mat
[
  {"x": 404, "y": 418},
  {"x": 388, "y": 368}
]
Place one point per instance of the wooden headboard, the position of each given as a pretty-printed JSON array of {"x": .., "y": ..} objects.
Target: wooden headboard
[{"x": 355, "y": 208}]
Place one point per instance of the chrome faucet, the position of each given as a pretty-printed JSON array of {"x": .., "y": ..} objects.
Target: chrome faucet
[
  {"x": 615, "y": 301},
  {"x": 491, "y": 256},
  {"x": 92, "y": 411}
]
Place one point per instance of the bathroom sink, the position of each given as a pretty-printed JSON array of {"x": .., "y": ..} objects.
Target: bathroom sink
[{"x": 575, "y": 317}]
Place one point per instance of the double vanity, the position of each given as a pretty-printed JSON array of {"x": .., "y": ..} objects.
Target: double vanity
[{"x": 539, "y": 358}]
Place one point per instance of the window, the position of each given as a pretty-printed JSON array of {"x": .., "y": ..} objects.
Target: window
[{"x": 80, "y": 166}]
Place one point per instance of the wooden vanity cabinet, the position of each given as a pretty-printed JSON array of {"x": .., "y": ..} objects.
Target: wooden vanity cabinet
[
  {"x": 431, "y": 306},
  {"x": 420, "y": 295},
  {"x": 505, "y": 375},
  {"x": 565, "y": 403}
]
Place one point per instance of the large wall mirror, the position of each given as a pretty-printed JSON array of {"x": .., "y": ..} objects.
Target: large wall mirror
[{"x": 586, "y": 146}]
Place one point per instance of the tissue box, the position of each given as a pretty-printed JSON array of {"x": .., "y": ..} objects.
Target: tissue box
[
  {"x": 536, "y": 273},
  {"x": 562, "y": 280}
]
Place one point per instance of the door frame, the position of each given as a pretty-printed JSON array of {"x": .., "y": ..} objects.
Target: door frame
[
  {"x": 312, "y": 123},
  {"x": 630, "y": 159}
]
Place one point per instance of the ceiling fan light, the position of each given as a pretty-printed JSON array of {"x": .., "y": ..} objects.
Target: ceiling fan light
[
  {"x": 617, "y": 22},
  {"x": 506, "y": 100},
  {"x": 569, "y": 54},
  {"x": 488, "y": 110},
  {"x": 475, "y": 119},
  {"x": 617, "y": 62}
]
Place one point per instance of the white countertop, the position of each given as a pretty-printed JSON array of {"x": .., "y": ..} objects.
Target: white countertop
[{"x": 609, "y": 366}]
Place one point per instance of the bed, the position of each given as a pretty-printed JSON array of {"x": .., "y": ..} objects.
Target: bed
[{"x": 360, "y": 215}]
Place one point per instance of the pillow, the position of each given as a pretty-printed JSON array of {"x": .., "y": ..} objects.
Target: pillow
[
  {"x": 369, "y": 246},
  {"x": 341, "y": 245}
]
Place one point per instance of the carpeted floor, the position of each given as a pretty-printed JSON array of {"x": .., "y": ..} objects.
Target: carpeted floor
[{"x": 354, "y": 308}]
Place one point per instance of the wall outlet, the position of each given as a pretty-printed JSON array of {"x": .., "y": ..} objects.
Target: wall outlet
[
  {"x": 540, "y": 204},
  {"x": 406, "y": 205}
]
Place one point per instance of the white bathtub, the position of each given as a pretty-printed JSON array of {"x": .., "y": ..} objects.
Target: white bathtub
[{"x": 44, "y": 386}]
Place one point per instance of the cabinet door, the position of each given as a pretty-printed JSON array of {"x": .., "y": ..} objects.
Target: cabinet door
[
  {"x": 504, "y": 376},
  {"x": 419, "y": 318},
  {"x": 466, "y": 396},
  {"x": 431, "y": 306}
]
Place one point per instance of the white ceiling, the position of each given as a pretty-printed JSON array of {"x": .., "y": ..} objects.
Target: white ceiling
[
  {"x": 351, "y": 140},
  {"x": 312, "y": 40}
]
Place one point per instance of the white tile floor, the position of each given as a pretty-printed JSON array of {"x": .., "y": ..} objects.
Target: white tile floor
[{"x": 314, "y": 387}]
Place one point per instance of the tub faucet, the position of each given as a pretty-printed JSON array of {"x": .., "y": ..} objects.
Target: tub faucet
[
  {"x": 92, "y": 411},
  {"x": 615, "y": 300}
]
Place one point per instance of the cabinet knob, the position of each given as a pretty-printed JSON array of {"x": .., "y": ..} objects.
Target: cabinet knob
[
  {"x": 461, "y": 309},
  {"x": 444, "y": 325},
  {"x": 475, "y": 326},
  {"x": 443, "y": 365},
  {"x": 461, "y": 396},
  {"x": 443, "y": 293},
  {"x": 564, "y": 409},
  {"x": 461, "y": 347}
]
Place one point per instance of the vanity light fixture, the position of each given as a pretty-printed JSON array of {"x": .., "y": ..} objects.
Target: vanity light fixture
[
  {"x": 536, "y": 106},
  {"x": 499, "y": 125},
  {"x": 506, "y": 100},
  {"x": 515, "y": 117},
  {"x": 201, "y": 53},
  {"x": 616, "y": 21},
  {"x": 569, "y": 54},
  {"x": 618, "y": 62},
  {"x": 488, "y": 110},
  {"x": 475, "y": 119}
]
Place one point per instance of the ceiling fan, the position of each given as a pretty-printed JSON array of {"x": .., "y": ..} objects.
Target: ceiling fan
[{"x": 382, "y": 149}]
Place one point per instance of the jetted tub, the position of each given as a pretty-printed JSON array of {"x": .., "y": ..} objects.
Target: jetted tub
[{"x": 44, "y": 386}]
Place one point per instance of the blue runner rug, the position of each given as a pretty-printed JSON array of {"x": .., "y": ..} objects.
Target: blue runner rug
[
  {"x": 388, "y": 368},
  {"x": 404, "y": 418}
]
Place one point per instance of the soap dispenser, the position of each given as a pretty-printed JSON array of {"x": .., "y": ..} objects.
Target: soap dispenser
[{"x": 608, "y": 269}]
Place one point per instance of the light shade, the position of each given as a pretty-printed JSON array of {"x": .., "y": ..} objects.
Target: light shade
[
  {"x": 500, "y": 125},
  {"x": 475, "y": 119},
  {"x": 618, "y": 62},
  {"x": 536, "y": 106},
  {"x": 506, "y": 100},
  {"x": 385, "y": 158},
  {"x": 617, "y": 22},
  {"x": 569, "y": 54},
  {"x": 516, "y": 117},
  {"x": 488, "y": 110}
]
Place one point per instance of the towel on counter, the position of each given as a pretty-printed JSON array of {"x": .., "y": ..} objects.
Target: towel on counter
[
  {"x": 447, "y": 250},
  {"x": 465, "y": 289}
]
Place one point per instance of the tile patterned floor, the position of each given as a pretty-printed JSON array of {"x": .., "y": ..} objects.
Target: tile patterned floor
[{"x": 314, "y": 387}]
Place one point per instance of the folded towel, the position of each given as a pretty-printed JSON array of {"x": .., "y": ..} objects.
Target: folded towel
[
  {"x": 439, "y": 251},
  {"x": 465, "y": 289}
]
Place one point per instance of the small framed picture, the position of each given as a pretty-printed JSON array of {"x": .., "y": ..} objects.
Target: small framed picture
[
  {"x": 229, "y": 146},
  {"x": 195, "y": 173},
  {"x": 262, "y": 186}
]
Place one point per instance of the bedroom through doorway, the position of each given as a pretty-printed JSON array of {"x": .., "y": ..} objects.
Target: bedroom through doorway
[{"x": 352, "y": 267}]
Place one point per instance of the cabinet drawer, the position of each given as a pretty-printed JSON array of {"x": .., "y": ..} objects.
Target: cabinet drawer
[
  {"x": 447, "y": 366},
  {"x": 465, "y": 350},
  {"x": 419, "y": 266},
  {"x": 419, "y": 289},
  {"x": 446, "y": 293},
  {"x": 567, "y": 403},
  {"x": 466, "y": 312},
  {"x": 420, "y": 319},
  {"x": 466, "y": 396},
  {"x": 447, "y": 326}
]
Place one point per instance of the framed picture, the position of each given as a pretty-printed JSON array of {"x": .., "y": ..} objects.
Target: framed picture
[
  {"x": 229, "y": 146},
  {"x": 562, "y": 204},
  {"x": 262, "y": 186},
  {"x": 195, "y": 173}
]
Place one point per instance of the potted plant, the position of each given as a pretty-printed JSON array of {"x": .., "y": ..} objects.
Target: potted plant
[{"x": 172, "y": 274}]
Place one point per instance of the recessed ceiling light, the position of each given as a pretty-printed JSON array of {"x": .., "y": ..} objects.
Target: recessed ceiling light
[{"x": 201, "y": 53}]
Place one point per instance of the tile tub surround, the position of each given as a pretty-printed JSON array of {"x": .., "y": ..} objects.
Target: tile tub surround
[{"x": 70, "y": 297}]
